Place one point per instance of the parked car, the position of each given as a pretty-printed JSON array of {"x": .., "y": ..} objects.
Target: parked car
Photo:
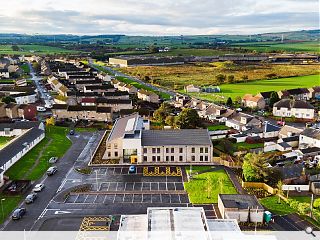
[
  {"x": 281, "y": 123},
  {"x": 18, "y": 213},
  {"x": 53, "y": 160},
  {"x": 30, "y": 198},
  {"x": 72, "y": 132},
  {"x": 52, "y": 170},
  {"x": 132, "y": 169},
  {"x": 38, "y": 188},
  {"x": 41, "y": 109}
]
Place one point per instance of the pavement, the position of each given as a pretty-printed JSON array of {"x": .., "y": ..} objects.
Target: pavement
[
  {"x": 51, "y": 183},
  {"x": 290, "y": 222}
]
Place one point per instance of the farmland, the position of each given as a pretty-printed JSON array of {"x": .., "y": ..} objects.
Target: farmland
[
  {"x": 33, "y": 49},
  {"x": 254, "y": 87},
  {"x": 176, "y": 77},
  {"x": 311, "y": 47}
]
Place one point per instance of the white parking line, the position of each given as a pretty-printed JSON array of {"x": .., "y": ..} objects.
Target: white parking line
[
  {"x": 170, "y": 198},
  {"x": 86, "y": 198},
  {"x": 76, "y": 198},
  {"x": 142, "y": 198},
  {"x": 179, "y": 198},
  {"x": 134, "y": 183},
  {"x": 108, "y": 186},
  {"x": 132, "y": 198},
  {"x": 114, "y": 198},
  {"x": 125, "y": 186},
  {"x": 95, "y": 199},
  {"x": 114, "y": 169},
  {"x": 117, "y": 186}
]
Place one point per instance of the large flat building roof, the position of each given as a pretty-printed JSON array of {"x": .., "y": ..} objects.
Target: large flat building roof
[{"x": 176, "y": 137}]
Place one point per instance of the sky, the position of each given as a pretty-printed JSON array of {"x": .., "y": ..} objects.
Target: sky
[{"x": 157, "y": 17}]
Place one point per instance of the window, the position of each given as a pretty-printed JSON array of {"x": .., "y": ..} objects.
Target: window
[
  {"x": 145, "y": 150},
  {"x": 193, "y": 150},
  {"x": 201, "y": 150},
  {"x": 201, "y": 158},
  {"x": 167, "y": 150},
  {"x": 158, "y": 158},
  {"x": 153, "y": 150},
  {"x": 206, "y": 158},
  {"x": 153, "y": 158},
  {"x": 145, "y": 158},
  {"x": 115, "y": 146},
  {"x": 180, "y": 150},
  {"x": 116, "y": 154},
  {"x": 172, "y": 158},
  {"x": 109, "y": 154},
  {"x": 108, "y": 146},
  {"x": 172, "y": 150},
  {"x": 167, "y": 158},
  {"x": 206, "y": 150},
  {"x": 193, "y": 158},
  {"x": 180, "y": 158},
  {"x": 158, "y": 150}
]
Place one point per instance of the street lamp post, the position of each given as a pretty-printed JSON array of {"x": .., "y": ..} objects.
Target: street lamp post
[{"x": 2, "y": 208}]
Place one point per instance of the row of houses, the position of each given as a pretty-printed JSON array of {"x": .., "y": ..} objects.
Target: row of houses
[{"x": 21, "y": 95}]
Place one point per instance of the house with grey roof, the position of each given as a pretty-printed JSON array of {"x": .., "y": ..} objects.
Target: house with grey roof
[
  {"x": 132, "y": 141},
  {"x": 26, "y": 136},
  {"x": 310, "y": 137},
  {"x": 293, "y": 108}
]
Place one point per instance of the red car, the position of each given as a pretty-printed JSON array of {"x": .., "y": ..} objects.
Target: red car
[{"x": 281, "y": 123}]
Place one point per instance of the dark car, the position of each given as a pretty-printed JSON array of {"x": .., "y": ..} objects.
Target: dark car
[
  {"x": 132, "y": 169},
  {"x": 30, "y": 198},
  {"x": 18, "y": 213},
  {"x": 72, "y": 132}
]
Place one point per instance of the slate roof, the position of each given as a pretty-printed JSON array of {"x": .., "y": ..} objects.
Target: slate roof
[
  {"x": 290, "y": 103},
  {"x": 176, "y": 137},
  {"x": 310, "y": 150},
  {"x": 240, "y": 201},
  {"x": 292, "y": 171},
  {"x": 284, "y": 145},
  {"x": 271, "y": 128},
  {"x": 291, "y": 139},
  {"x": 266, "y": 95},
  {"x": 17, "y": 145},
  {"x": 312, "y": 133}
]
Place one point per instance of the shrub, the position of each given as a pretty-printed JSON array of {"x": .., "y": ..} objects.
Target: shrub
[{"x": 316, "y": 203}]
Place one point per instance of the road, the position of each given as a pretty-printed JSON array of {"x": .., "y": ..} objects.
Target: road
[
  {"x": 120, "y": 74},
  {"x": 51, "y": 183}
]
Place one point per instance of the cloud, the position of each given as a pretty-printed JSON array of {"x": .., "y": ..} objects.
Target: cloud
[{"x": 164, "y": 17}]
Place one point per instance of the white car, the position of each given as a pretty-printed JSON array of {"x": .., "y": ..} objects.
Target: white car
[
  {"x": 41, "y": 109},
  {"x": 38, "y": 188}
]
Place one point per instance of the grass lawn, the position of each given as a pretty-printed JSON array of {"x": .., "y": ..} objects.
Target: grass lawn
[
  {"x": 271, "y": 203},
  {"x": 4, "y": 141},
  {"x": 198, "y": 191},
  {"x": 9, "y": 204},
  {"x": 58, "y": 146},
  {"x": 196, "y": 169},
  {"x": 303, "y": 199},
  {"x": 217, "y": 127},
  {"x": 245, "y": 145},
  {"x": 25, "y": 68},
  {"x": 34, "y": 49}
]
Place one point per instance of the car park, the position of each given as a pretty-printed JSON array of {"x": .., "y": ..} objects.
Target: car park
[
  {"x": 53, "y": 160},
  {"x": 30, "y": 198},
  {"x": 52, "y": 170},
  {"x": 38, "y": 188},
  {"x": 18, "y": 213}
]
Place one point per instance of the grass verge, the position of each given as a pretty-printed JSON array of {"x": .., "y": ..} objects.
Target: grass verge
[{"x": 8, "y": 205}]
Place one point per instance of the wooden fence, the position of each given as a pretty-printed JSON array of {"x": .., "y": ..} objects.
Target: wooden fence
[{"x": 264, "y": 186}]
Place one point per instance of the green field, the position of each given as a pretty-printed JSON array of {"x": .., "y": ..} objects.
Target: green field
[
  {"x": 34, "y": 49},
  {"x": 198, "y": 190},
  {"x": 217, "y": 127},
  {"x": 54, "y": 144},
  {"x": 312, "y": 47},
  {"x": 8, "y": 204},
  {"x": 197, "y": 169},
  {"x": 247, "y": 146},
  {"x": 254, "y": 87},
  {"x": 4, "y": 140}
]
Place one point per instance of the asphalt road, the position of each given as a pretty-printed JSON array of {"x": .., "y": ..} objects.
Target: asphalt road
[{"x": 51, "y": 183}]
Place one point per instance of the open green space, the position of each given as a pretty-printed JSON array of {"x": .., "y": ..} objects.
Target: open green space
[
  {"x": 9, "y": 203},
  {"x": 4, "y": 140},
  {"x": 312, "y": 47},
  {"x": 197, "y": 169},
  {"x": 247, "y": 146},
  {"x": 25, "y": 68},
  {"x": 55, "y": 143},
  {"x": 199, "y": 190},
  {"x": 303, "y": 199},
  {"x": 33, "y": 49},
  {"x": 217, "y": 127},
  {"x": 254, "y": 87},
  {"x": 271, "y": 203}
]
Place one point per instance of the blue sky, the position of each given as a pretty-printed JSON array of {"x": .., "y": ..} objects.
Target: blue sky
[{"x": 161, "y": 17}]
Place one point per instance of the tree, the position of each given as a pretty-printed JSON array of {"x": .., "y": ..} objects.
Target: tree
[
  {"x": 50, "y": 121},
  {"x": 238, "y": 99},
  {"x": 279, "y": 190},
  {"x": 7, "y": 99},
  {"x": 220, "y": 78},
  {"x": 255, "y": 167},
  {"x": 230, "y": 79},
  {"x": 153, "y": 49},
  {"x": 15, "y": 48},
  {"x": 162, "y": 113},
  {"x": 170, "y": 120},
  {"x": 316, "y": 203},
  {"x": 188, "y": 118},
  {"x": 273, "y": 98},
  {"x": 245, "y": 78},
  {"x": 229, "y": 102}
]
